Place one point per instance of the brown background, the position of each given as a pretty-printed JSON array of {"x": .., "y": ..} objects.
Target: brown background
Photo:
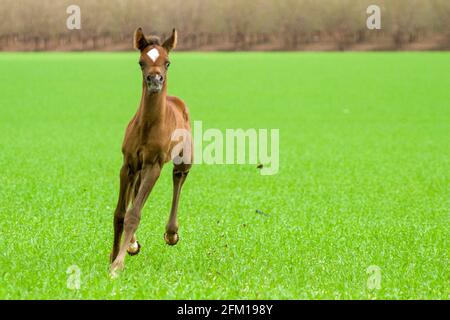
[{"x": 227, "y": 25}]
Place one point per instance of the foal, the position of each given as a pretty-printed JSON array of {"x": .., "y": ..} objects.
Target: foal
[{"x": 147, "y": 146}]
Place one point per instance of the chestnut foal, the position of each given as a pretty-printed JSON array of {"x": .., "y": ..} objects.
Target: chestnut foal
[{"x": 147, "y": 146}]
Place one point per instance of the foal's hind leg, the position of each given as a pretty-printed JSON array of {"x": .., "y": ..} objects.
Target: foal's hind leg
[
  {"x": 122, "y": 203},
  {"x": 180, "y": 173}
]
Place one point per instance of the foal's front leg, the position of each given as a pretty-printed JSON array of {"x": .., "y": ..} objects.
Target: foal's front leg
[
  {"x": 122, "y": 203},
  {"x": 134, "y": 247},
  {"x": 179, "y": 176},
  {"x": 149, "y": 175}
]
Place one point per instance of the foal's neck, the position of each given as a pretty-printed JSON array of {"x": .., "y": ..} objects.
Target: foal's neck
[{"x": 153, "y": 105}]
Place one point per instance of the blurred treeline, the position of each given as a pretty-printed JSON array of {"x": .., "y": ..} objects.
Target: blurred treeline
[{"x": 227, "y": 24}]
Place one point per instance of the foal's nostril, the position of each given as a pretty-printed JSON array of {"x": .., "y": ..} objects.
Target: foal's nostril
[
  {"x": 159, "y": 78},
  {"x": 155, "y": 78}
]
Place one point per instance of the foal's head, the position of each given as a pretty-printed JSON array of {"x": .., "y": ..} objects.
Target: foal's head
[{"x": 154, "y": 59}]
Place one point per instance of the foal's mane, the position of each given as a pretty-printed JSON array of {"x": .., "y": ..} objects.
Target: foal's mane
[{"x": 153, "y": 40}]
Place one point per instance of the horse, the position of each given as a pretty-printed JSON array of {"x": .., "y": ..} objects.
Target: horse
[{"x": 147, "y": 146}]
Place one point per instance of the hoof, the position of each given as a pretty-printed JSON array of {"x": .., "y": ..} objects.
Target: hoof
[
  {"x": 134, "y": 248},
  {"x": 171, "y": 238},
  {"x": 116, "y": 268}
]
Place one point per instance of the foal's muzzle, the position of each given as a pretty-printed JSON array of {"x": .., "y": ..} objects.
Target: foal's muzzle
[{"x": 154, "y": 82}]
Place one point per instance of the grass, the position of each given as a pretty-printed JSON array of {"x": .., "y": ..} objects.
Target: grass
[{"x": 364, "y": 178}]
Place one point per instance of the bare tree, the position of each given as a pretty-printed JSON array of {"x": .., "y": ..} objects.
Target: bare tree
[{"x": 223, "y": 25}]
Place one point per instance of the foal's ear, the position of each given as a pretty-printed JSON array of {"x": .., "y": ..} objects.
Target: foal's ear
[
  {"x": 171, "y": 42},
  {"x": 139, "y": 39}
]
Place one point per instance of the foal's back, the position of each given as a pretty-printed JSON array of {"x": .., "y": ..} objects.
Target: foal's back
[{"x": 176, "y": 106}]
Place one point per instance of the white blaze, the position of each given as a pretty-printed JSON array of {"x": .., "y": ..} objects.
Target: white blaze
[{"x": 153, "y": 54}]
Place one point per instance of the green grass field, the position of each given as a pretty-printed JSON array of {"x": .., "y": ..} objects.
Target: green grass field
[{"x": 364, "y": 178}]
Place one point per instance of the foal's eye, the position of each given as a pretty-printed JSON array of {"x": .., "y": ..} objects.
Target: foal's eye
[
  {"x": 167, "y": 64},
  {"x": 141, "y": 63}
]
